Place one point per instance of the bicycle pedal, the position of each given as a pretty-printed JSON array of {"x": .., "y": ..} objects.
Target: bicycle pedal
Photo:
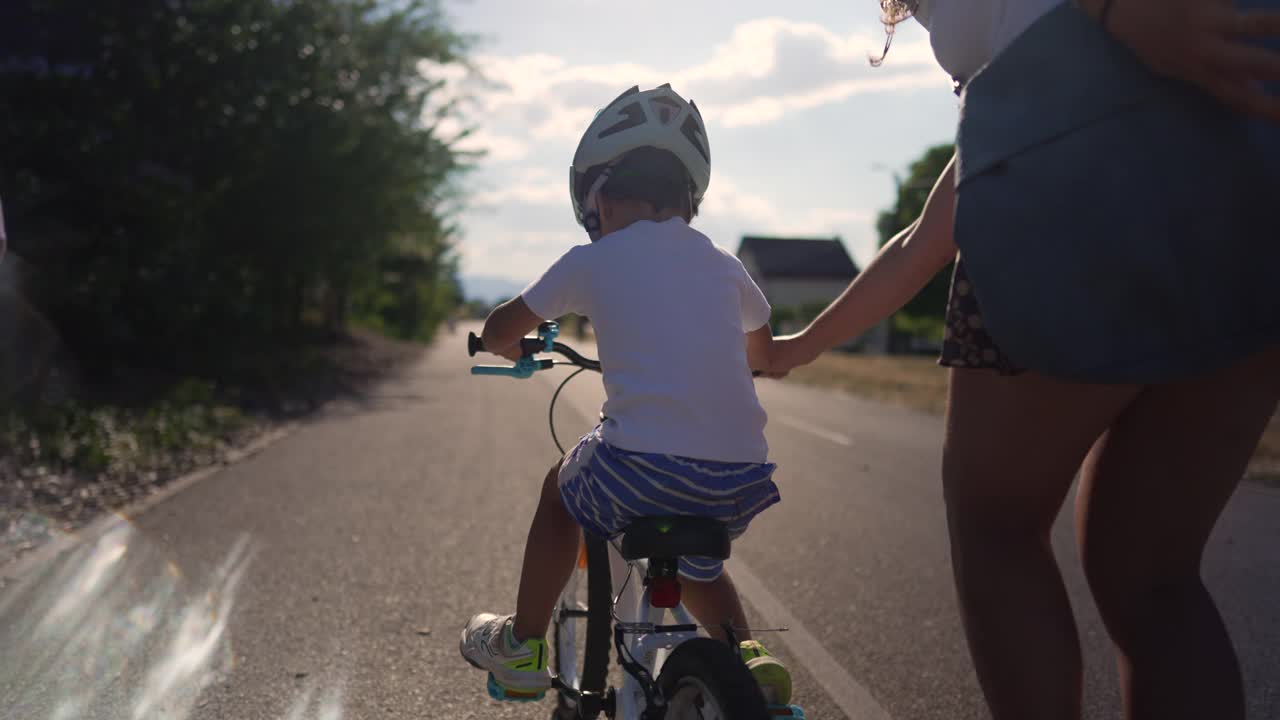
[
  {"x": 786, "y": 711},
  {"x": 497, "y": 691}
]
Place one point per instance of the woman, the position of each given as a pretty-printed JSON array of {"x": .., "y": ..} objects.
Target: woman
[{"x": 1159, "y": 458}]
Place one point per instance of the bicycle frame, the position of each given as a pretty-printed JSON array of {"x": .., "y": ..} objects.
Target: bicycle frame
[
  {"x": 641, "y": 639},
  {"x": 640, "y": 632}
]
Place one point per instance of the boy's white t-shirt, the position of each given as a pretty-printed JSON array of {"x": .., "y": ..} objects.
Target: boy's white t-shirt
[{"x": 670, "y": 311}]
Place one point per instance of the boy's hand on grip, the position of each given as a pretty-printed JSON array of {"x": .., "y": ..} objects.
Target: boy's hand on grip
[{"x": 512, "y": 353}]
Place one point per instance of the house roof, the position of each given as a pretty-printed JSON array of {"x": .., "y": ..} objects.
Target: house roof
[{"x": 798, "y": 257}]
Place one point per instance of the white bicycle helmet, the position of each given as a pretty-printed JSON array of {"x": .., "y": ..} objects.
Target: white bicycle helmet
[{"x": 657, "y": 118}]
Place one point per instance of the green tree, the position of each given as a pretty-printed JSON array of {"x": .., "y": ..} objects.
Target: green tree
[
  {"x": 192, "y": 180},
  {"x": 923, "y": 315}
]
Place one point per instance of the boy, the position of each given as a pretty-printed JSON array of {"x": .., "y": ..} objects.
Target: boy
[{"x": 679, "y": 326}]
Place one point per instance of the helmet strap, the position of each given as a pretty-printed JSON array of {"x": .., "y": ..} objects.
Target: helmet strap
[{"x": 591, "y": 218}]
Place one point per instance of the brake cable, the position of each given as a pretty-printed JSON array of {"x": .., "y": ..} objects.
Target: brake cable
[{"x": 551, "y": 412}]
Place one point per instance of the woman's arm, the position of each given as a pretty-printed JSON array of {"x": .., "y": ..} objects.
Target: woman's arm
[{"x": 905, "y": 264}]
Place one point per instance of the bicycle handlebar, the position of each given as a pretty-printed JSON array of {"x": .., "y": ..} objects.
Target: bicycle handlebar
[
  {"x": 574, "y": 357},
  {"x": 527, "y": 365},
  {"x": 545, "y": 342},
  {"x": 528, "y": 346}
]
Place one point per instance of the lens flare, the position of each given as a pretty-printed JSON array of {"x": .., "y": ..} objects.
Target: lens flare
[{"x": 111, "y": 629}]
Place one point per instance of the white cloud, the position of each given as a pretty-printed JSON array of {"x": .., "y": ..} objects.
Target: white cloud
[
  {"x": 726, "y": 201},
  {"x": 731, "y": 210},
  {"x": 498, "y": 147},
  {"x": 530, "y": 109},
  {"x": 769, "y": 109},
  {"x": 508, "y": 235},
  {"x": 753, "y": 50},
  {"x": 530, "y": 186},
  {"x": 780, "y": 66},
  {"x": 521, "y": 255},
  {"x": 564, "y": 123}
]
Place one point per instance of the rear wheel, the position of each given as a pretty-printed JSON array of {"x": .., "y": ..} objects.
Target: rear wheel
[
  {"x": 705, "y": 680},
  {"x": 582, "y": 625}
]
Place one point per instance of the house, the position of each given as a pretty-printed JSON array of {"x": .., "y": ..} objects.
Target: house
[
  {"x": 800, "y": 275},
  {"x": 794, "y": 272}
]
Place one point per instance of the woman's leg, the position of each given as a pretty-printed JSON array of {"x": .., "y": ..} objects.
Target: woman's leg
[
  {"x": 549, "y": 555},
  {"x": 1013, "y": 447},
  {"x": 1150, "y": 495}
]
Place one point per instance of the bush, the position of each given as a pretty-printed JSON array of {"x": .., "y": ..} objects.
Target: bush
[
  {"x": 69, "y": 453},
  {"x": 199, "y": 179}
]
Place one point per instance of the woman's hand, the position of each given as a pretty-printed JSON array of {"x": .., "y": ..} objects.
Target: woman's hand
[
  {"x": 792, "y": 351},
  {"x": 1207, "y": 43}
]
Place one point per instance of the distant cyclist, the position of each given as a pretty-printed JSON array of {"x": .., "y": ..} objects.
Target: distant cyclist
[{"x": 679, "y": 326}]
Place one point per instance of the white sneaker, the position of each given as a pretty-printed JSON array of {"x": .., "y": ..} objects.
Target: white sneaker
[{"x": 516, "y": 671}]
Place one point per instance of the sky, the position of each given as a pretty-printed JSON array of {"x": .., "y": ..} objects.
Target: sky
[{"x": 805, "y": 135}]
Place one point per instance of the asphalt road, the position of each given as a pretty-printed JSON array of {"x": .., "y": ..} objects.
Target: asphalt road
[{"x": 327, "y": 576}]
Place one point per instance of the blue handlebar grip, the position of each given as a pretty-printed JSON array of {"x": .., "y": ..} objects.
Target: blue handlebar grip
[
  {"x": 525, "y": 367},
  {"x": 499, "y": 370}
]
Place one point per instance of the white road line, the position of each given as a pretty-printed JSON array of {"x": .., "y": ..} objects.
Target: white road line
[
  {"x": 849, "y": 695},
  {"x": 812, "y": 429}
]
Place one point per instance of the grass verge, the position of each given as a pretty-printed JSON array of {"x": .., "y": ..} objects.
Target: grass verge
[
  {"x": 919, "y": 383},
  {"x": 61, "y": 466},
  {"x": 912, "y": 381}
]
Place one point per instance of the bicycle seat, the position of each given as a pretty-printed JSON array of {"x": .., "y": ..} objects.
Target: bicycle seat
[{"x": 675, "y": 536}]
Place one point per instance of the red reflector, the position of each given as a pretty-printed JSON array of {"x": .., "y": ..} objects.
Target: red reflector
[{"x": 664, "y": 592}]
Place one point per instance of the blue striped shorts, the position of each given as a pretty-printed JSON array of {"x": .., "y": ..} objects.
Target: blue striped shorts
[{"x": 605, "y": 488}]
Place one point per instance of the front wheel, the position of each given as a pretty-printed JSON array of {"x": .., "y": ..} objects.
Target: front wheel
[
  {"x": 582, "y": 625},
  {"x": 704, "y": 679}
]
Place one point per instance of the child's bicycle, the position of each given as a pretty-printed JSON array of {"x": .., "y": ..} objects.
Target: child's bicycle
[{"x": 670, "y": 672}]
